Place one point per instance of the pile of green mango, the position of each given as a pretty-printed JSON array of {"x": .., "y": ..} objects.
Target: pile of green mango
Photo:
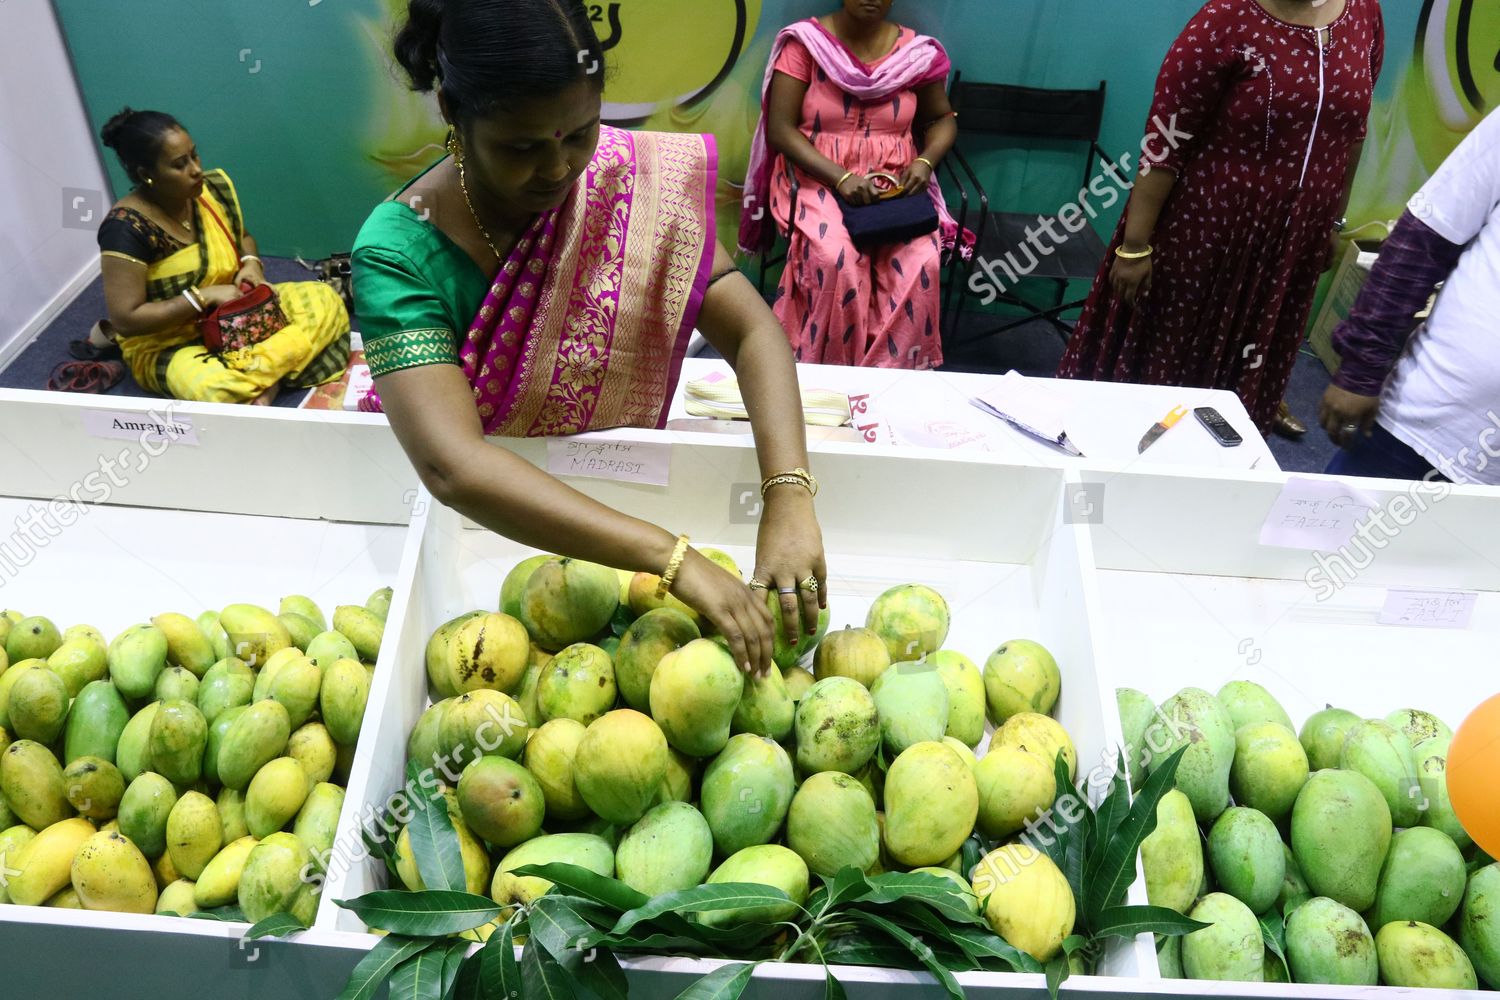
[
  {"x": 1343, "y": 829},
  {"x": 590, "y": 721},
  {"x": 185, "y": 764}
]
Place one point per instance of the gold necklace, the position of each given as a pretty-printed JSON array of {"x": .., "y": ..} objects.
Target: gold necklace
[{"x": 464, "y": 187}]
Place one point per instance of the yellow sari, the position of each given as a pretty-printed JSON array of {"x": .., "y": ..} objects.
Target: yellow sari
[{"x": 312, "y": 349}]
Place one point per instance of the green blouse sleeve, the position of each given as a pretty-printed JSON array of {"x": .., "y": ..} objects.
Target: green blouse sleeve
[{"x": 402, "y": 317}]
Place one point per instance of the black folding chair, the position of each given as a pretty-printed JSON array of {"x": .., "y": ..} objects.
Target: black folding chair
[{"x": 1011, "y": 112}]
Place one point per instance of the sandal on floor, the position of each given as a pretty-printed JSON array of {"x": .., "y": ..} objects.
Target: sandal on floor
[
  {"x": 86, "y": 376},
  {"x": 1287, "y": 425},
  {"x": 87, "y": 350}
]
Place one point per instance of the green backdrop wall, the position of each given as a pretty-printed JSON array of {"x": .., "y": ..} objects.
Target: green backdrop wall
[{"x": 298, "y": 99}]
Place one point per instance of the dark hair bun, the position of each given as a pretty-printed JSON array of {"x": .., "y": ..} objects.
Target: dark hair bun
[
  {"x": 111, "y": 132},
  {"x": 416, "y": 43},
  {"x": 483, "y": 53}
]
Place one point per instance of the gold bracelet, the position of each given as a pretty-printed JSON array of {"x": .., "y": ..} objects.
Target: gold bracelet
[
  {"x": 799, "y": 477},
  {"x": 840, "y": 182},
  {"x": 1124, "y": 254},
  {"x": 930, "y": 165},
  {"x": 665, "y": 586}
]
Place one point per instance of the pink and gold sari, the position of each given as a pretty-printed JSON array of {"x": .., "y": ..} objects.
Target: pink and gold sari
[{"x": 586, "y": 323}]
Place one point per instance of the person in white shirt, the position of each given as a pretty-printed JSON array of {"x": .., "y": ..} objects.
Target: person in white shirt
[{"x": 1423, "y": 402}]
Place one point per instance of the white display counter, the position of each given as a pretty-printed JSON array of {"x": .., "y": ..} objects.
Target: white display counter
[{"x": 1158, "y": 586}]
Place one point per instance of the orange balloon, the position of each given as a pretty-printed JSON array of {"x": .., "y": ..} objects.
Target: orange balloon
[{"x": 1473, "y": 764}]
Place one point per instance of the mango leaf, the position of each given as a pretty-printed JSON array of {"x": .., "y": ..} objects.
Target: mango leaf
[
  {"x": 228, "y": 913},
  {"x": 1057, "y": 974},
  {"x": 557, "y": 928},
  {"x": 917, "y": 947},
  {"x": 499, "y": 975},
  {"x": 704, "y": 899},
  {"x": 933, "y": 930},
  {"x": 848, "y": 883},
  {"x": 1109, "y": 881},
  {"x": 431, "y": 913},
  {"x": 434, "y": 842},
  {"x": 1128, "y": 921},
  {"x": 420, "y": 977},
  {"x": 276, "y": 925},
  {"x": 727, "y": 982},
  {"x": 542, "y": 978},
  {"x": 832, "y": 988},
  {"x": 1273, "y": 933},
  {"x": 452, "y": 961},
  {"x": 1054, "y": 844},
  {"x": 383, "y": 846},
  {"x": 985, "y": 943},
  {"x": 970, "y": 854},
  {"x": 863, "y": 949},
  {"x": 591, "y": 885},
  {"x": 1113, "y": 810},
  {"x": 467, "y": 985},
  {"x": 621, "y": 620},
  {"x": 375, "y": 968},
  {"x": 654, "y": 942}
]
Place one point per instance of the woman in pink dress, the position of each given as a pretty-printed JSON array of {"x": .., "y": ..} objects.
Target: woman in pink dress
[
  {"x": 846, "y": 96},
  {"x": 1259, "y": 121}
]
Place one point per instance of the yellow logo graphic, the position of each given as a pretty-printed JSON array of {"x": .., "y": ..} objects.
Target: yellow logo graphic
[{"x": 662, "y": 53}]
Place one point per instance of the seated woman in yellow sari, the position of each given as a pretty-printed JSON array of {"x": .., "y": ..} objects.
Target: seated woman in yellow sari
[
  {"x": 175, "y": 247},
  {"x": 548, "y": 286}
]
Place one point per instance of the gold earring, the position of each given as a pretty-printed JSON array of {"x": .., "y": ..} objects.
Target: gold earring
[
  {"x": 150, "y": 181},
  {"x": 455, "y": 148}
]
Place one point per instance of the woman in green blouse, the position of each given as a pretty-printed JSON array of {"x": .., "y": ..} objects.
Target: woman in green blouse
[{"x": 543, "y": 280}]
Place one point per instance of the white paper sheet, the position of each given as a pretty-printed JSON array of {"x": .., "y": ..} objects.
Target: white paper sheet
[
  {"x": 1428, "y": 608},
  {"x": 1318, "y": 515},
  {"x": 622, "y": 461}
]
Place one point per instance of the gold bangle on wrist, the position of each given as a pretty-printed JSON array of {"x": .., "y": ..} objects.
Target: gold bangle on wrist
[
  {"x": 930, "y": 165},
  {"x": 1124, "y": 254},
  {"x": 840, "y": 182},
  {"x": 673, "y": 565},
  {"x": 798, "y": 477}
]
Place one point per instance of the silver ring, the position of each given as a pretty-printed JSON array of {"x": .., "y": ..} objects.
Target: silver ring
[
  {"x": 1350, "y": 428},
  {"x": 786, "y": 590}
]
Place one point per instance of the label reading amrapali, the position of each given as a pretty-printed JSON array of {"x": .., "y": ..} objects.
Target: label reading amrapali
[
  {"x": 1428, "y": 608},
  {"x": 623, "y": 461},
  {"x": 145, "y": 428}
]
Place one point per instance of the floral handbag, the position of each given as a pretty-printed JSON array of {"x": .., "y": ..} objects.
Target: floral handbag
[{"x": 243, "y": 322}]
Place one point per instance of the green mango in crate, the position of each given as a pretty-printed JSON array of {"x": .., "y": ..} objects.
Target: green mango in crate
[
  {"x": 227, "y": 684},
  {"x": 1193, "y": 718},
  {"x": 1323, "y": 734},
  {"x": 1246, "y": 853},
  {"x": 318, "y": 820},
  {"x": 931, "y": 803},
  {"x": 1269, "y": 768},
  {"x": 746, "y": 792},
  {"x": 831, "y": 824},
  {"x": 650, "y": 637},
  {"x": 136, "y": 656},
  {"x": 1230, "y": 949},
  {"x": 144, "y": 808},
  {"x": 1423, "y": 879},
  {"x": 765, "y": 708},
  {"x": 31, "y": 781},
  {"x": 1418, "y": 726},
  {"x": 1328, "y": 943},
  {"x": 38, "y": 706},
  {"x": 1381, "y": 753},
  {"x": 327, "y": 648},
  {"x": 79, "y": 662},
  {"x": 305, "y": 607},
  {"x": 1418, "y": 956},
  {"x": 34, "y": 638},
  {"x": 1431, "y": 757},
  {"x": 94, "y": 787},
  {"x": 194, "y": 833},
  {"x": 176, "y": 742},
  {"x": 258, "y": 736},
  {"x": 302, "y": 629},
  {"x": 1341, "y": 830},
  {"x": 694, "y": 693},
  {"x": 1248, "y": 703},
  {"x": 342, "y": 699},
  {"x": 133, "y": 751},
  {"x": 837, "y": 726},
  {"x": 1479, "y": 923},
  {"x": 1172, "y": 856},
  {"x": 966, "y": 698},
  {"x": 912, "y": 701},
  {"x": 766, "y": 864},
  {"x": 668, "y": 849},
  {"x": 187, "y": 645},
  {"x": 272, "y": 881}
]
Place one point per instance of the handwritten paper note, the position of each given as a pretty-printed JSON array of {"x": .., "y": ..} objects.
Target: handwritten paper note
[
  {"x": 1428, "y": 608},
  {"x": 145, "y": 428},
  {"x": 1318, "y": 515},
  {"x": 622, "y": 461}
]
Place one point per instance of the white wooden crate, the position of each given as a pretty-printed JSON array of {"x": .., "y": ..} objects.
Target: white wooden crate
[{"x": 1012, "y": 570}]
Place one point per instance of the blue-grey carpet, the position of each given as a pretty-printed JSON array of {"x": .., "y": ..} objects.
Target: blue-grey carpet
[{"x": 33, "y": 366}]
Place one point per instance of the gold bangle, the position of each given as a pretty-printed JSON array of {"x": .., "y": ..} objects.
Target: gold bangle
[
  {"x": 667, "y": 578},
  {"x": 799, "y": 477},
  {"x": 1124, "y": 254},
  {"x": 840, "y": 182},
  {"x": 930, "y": 165}
]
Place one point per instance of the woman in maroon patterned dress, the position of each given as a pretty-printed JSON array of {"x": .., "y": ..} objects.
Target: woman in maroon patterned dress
[{"x": 1259, "y": 121}]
